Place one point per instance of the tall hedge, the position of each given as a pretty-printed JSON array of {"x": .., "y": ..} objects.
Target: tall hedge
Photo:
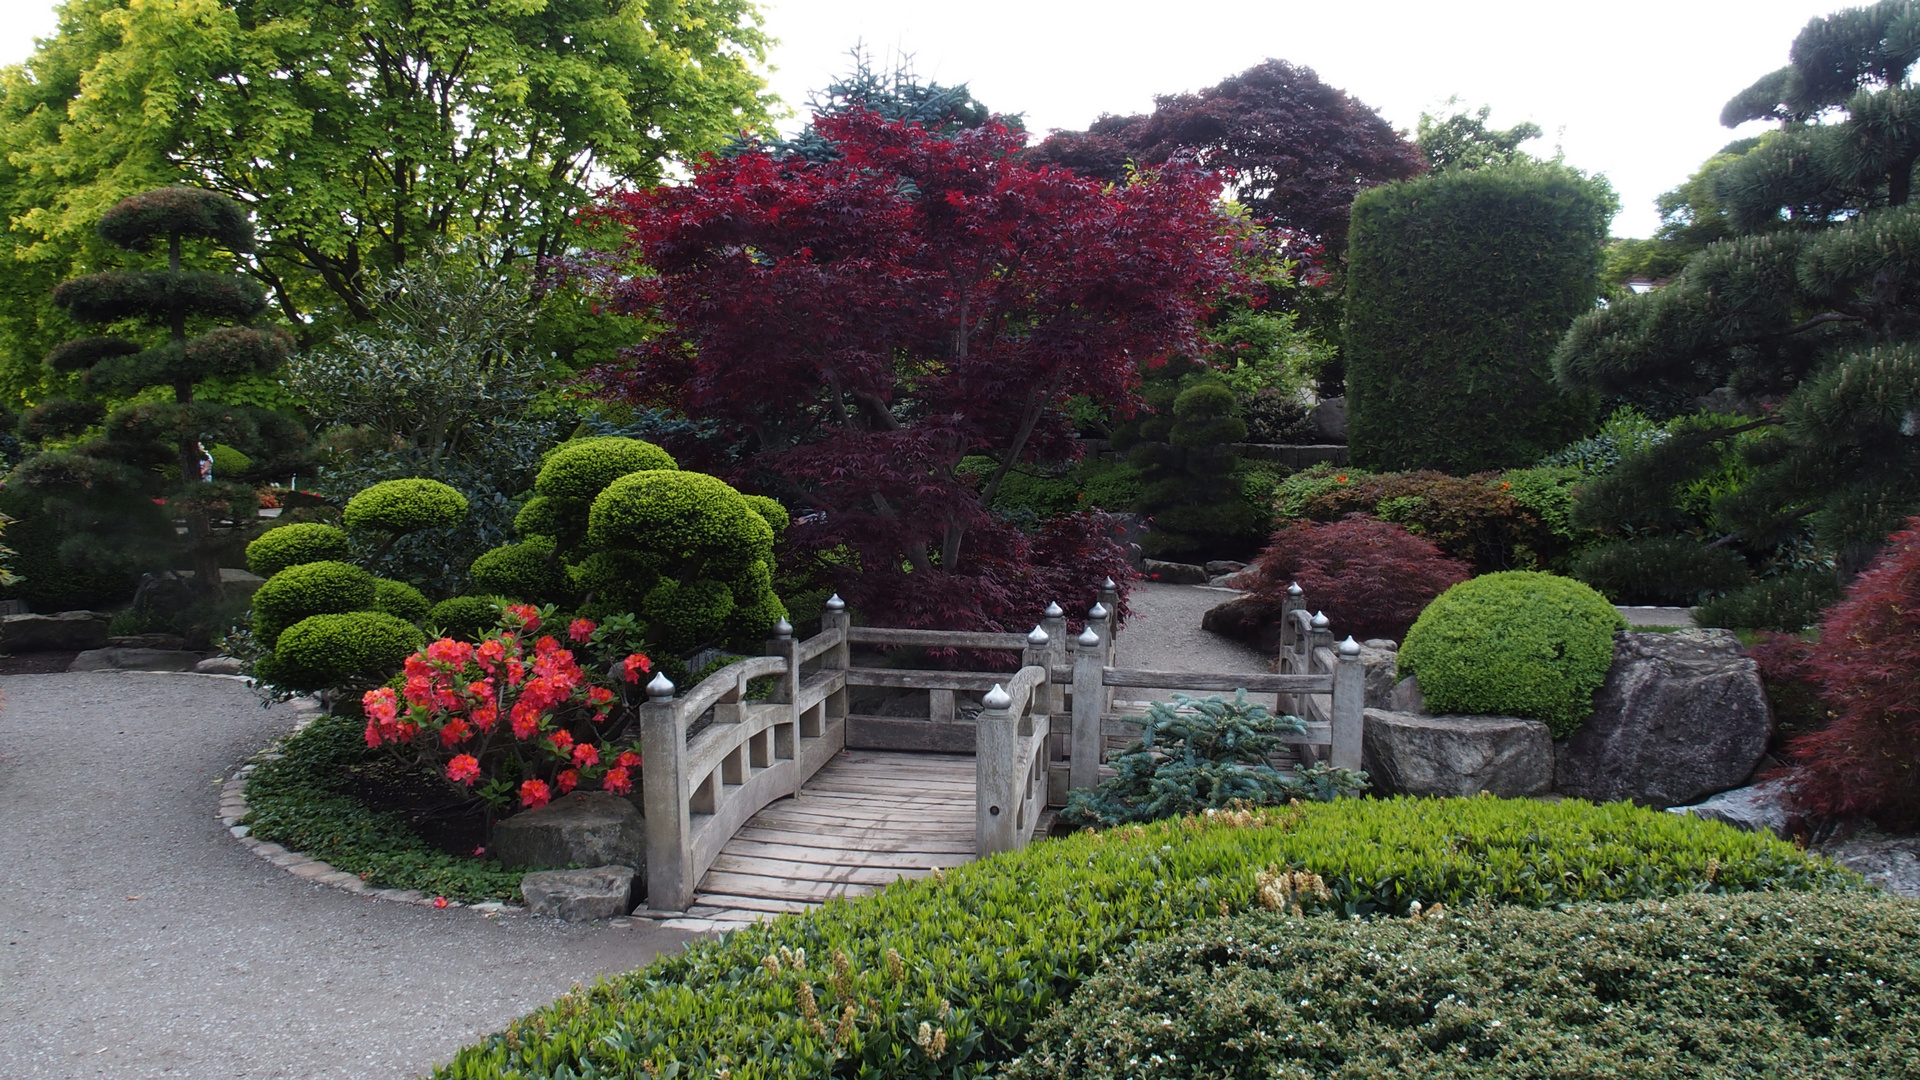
[{"x": 1459, "y": 286}]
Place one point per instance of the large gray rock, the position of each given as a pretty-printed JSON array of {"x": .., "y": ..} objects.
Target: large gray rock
[
  {"x": 135, "y": 660},
  {"x": 584, "y": 828},
  {"x": 1759, "y": 808},
  {"x": 1175, "y": 573},
  {"x": 600, "y": 892},
  {"x": 1889, "y": 863},
  {"x": 1407, "y": 697},
  {"x": 66, "y": 631},
  {"x": 1252, "y": 619},
  {"x": 219, "y": 665},
  {"x": 1379, "y": 665},
  {"x": 1680, "y": 717},
  {"x": 1409, "y": 754},
  {"x": 1329, "y": 419}
]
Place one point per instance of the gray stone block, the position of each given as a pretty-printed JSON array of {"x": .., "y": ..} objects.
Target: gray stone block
[
  {"x": 1175, "y": 573},
  {"x": 218, "y": 665},
  {"x": 135, "y": 660},
  {"x": 65, "y": 631},
  {"x": 600, "y": 892},
  {"x": 584, "y": 828},
  {"x": 1408, "y": 754},
  {"x": 1407, "y": 698},
  {"x": 1761, "y": 807}
]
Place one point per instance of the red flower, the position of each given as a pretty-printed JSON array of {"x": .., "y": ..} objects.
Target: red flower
[
  {"x": 440, "y": 901},
  {"x": 562, "y": 741},
  {"x": 528, "y": 616},
  {"x": 380, "y": 704},
  {"x": 525, "y": 718},
  {"x": 635, "y": 665},
  {"x": 598, "y": 696},
  {"x": 580, "y": 630},
  {"x": 463, "y": 769},
  {"x": 617, "y": 780},
  {"x": 569, "y": 779},
  {"x": 456, "y": 732},
  {"x": 586, "y": 755},
  {"x": 534, "y": 794},
  {"x": 627, "y": 760},
  {"x": 479, "y": 851}
]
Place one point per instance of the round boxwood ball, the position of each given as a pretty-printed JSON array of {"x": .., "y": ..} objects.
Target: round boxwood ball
[
  {"x": 290, "y": 545},
  {"x": 400, "y": 600},
  {"x": 685, "y": 615},
  {"x": 467, "y": 617},
  {"x": 403, "y": 506},
  {"x": 696, "y": 523},
  {"x": 582, "y": 468},
  {"x": 542, "y": 516},
  {"x": 317, "y": 588},
  {"x": 770, "y": 509},
  {"x": 1516, "y": 643},
  {"x": 525, "y": 571},
  {"x": 323, "y": 651}
]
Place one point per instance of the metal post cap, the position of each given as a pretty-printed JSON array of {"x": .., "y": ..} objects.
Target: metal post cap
[
  {"x": 1108, "y": 584},
  {"x": 1055, "y": 611},
  {"x": 660, "y": 687},
  {"x": 997, "y": 699},
  {"x": 1097, "y": 611},
  {"x": 1294, "y": 589},
  {"x": 1320, "y": 620},
  {"x": 1349, "y": 647},
  {"x": 834, "y": 603},
  {"x": 783, "y": 629},
  {"x": 1037, "y": 636},
  {"x": 1089, "y": 639}
]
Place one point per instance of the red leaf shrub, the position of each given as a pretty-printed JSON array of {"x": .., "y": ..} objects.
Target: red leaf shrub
[
  {"x": 1372, "y": 578},
  {"x": 1476, "y": 518},
  {"x": 1866, "y": 763}
]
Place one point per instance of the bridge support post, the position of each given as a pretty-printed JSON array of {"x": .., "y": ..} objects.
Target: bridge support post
[
  {"x": 996, "y": 775},
  {"x": 1349, "y": 706},
  {"x": 786, "y": 690},
  {"x": 663, "y": 779},
  {"x": 1089, "y": 664}
]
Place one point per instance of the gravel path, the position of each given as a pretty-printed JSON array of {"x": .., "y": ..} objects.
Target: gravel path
[
  {"x": 1164, "y": 634},
  {"x": 137, "y": 939}
]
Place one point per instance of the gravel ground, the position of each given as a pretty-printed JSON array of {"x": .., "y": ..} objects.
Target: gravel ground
[
  {"x": 1164, "y": 635},
  {"x": 137, "y": 939}
]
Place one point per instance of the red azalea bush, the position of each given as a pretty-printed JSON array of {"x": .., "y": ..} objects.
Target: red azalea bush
[
  {"x": 1866, "y": 763},
  {"x": 1372, "y": 578},
  {"x": 1476, "y": 517},
  {"x": 517, "y": 715}
]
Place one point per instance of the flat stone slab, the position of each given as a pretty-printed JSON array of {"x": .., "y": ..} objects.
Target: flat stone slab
[
  {"x": 1412, "y": 754},
  {"x": 1656, "y": 616},
  {"x": 135, "y": 660},
  {"x": 582, "y": 828},
  {"x": 1889, "y": 863},
  {"x": 599, "y": 892},
  {"x": 1761, "y": 807},
  {"x": 1175, "y": 573},
  {"x": 63, "y": 631}
]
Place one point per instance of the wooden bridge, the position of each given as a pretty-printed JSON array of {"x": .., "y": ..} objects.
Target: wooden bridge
[{"x": 755, "y": 808}]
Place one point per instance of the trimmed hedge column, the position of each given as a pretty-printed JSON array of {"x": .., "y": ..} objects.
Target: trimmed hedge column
[{"x": 1459, "y": 285}]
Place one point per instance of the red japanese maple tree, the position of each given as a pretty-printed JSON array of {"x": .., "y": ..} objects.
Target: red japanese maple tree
[{"x": 859, "y": 325}]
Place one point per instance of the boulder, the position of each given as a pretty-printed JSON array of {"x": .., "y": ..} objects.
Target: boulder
[
  {"x": 1406, "y": 697},
  {"x": 1329, "y": 419},
  {"x": 67, "y": 631},
  {"x": 1379, "y": 664},
  {"x": 147, "y": 641},
  {"x": 1251, "y": 619},
  {"x": 1409, "y": 754},
  {"x": 600, "y": 892},
  {"x": 1889, "y": 863},
  {"x": 583, "y": 828},
  {"x": 1680, "y": 717},
  {"x": 135, "y": 660},
  {"x": 218, "y": 665},
  {"x": 1220, "y": 567},
  {"x": 1761, "y": 807},
  {"x": 1175, "y": 573}
]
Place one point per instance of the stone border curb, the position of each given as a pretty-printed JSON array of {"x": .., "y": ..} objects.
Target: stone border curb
[{"x": 233, "y": 807}]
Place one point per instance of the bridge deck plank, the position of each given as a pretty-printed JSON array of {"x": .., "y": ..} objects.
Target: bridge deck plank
[{"x": 867, "y": 819}]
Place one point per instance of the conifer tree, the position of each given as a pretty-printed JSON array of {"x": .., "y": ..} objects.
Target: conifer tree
[
  {"x": 104, "y": 488},
  {"x": 1812, "y": 308}
]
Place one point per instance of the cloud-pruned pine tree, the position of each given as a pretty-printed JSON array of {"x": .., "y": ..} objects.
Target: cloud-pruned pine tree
[{"x": 1812, "y": 307}]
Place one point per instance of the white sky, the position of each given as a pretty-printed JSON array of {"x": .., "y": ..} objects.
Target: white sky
[{"x": 1630, "y": 88}]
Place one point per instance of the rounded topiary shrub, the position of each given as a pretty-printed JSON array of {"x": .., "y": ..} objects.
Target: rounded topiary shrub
[
  {"x": 1660, "y": 570},
  {"x": 689, "y": 520},
  {"x": 317, "y": 588},
  {"x": 582, "y": 468},
  {"x": 769, "y": 508},
  {"x": 403, "y": 506},
  {"x": 290, "y": 545},
  {"x": 1516, "y": 643},
  {"x": 524, "y": 571},
  {"x": 346, "y": 649},
  {"x": 467, "y": 617},
  {"x": 400, "y": 600}
]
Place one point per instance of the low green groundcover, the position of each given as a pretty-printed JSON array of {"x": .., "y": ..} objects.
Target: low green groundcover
[
  {"x": 298, "y": 800},
  {"x": 1727, "y": 987},
  {"x": 946, "y": 976}
]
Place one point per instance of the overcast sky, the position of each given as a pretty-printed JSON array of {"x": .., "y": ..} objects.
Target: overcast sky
[{"x": 1632, "y": 89}]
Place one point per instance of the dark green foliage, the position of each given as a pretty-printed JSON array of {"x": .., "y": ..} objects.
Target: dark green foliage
[
  {"x": 467, "y": 617},
  {"x": 1203, "y": 754},
  {"x": 582, "y": 468},
  {"x": 60, "y": 416},
  {"x": 404, "y": 506},
  {"x": 400, "y": 600},
  {"x": 1003, "y": 941},
  {"x": 1459, "y": 285},
  {"x": 1515, "y": 643},
  {"x": 1661, "y": 570},
  {"x": 314, "y": 588},
  {"x": 136, "y": 222},
  {"x": 1184, "y": 455},
  {"x": 352, "y": 649},
  {"x": 82, "y": 353},
  {"x": 297, "y": 800},
  {"x": 1797, "y": 986},
  {"x": 44, "y": 559},
  {"x": 1788, "y": 603},
  {"x": 113, "y": 295},
  {"x": 528, "y": 571},
  {"x": 290, "y": 545}
]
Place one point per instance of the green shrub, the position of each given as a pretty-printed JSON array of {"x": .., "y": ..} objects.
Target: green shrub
[
  {"x": 350, "y": 649},
  {"x": 297, "y": 800},
  {"x": 1726, "y": 986},
  {"x": 582, "y": 468},
  {"x": 526, "y": 571},
  {"x": 1108, "y": 485},
  {"x": 1188, "y": 483},
  {"x": 1548, "y": 491},
  {"x": 1788, "y": 603},
  {"x": 404, "y": 506},
  {"x": 689, "y": 524},
  {"x": 1459, "y": 286},
  {"x": 290, "y": 545},
  {"x": 1476, "y": 518},
  {"x": 467, "y": 617},
  {"x": 1516, "y": 643},
  {"x": 983, "y": 952},
  {"x": 228, "y": 463},
  {"x": 770, "y": 509},
  {"x": 316, "y": 588},
  {"x": 1660, "y": 570},
  {"x": 1291, "y": 497},
  {"x": 400, "y": 600}
]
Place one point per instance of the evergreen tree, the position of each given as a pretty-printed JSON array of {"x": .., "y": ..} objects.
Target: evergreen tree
[
  {"x": 1811, "y": 308},
  {"x": 1188, "y": 465},
  {"x": 104, "y": 490}
]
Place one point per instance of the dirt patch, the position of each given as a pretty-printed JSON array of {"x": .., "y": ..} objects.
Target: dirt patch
[{"x": 36, "y": 663}]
